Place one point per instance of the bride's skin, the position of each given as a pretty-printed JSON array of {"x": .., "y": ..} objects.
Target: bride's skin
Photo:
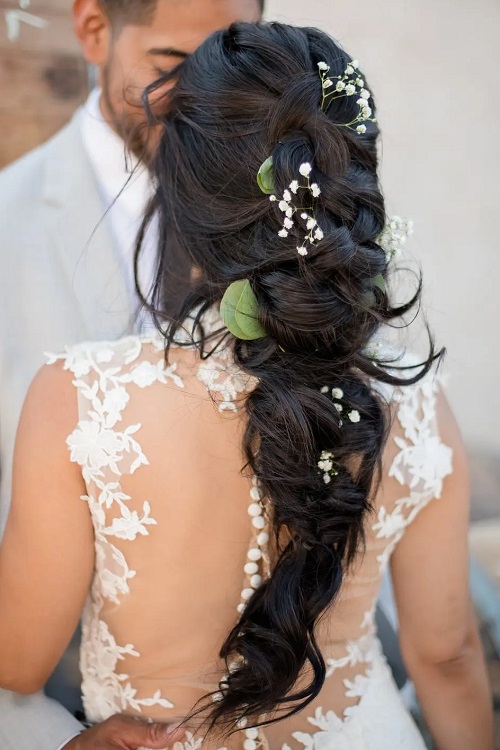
[
  {"x": 438, "y": 631},
  {"x": 44, "y": 597}
]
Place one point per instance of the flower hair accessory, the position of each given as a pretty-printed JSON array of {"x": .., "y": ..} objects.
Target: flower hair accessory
[
  {"x": 337, "y": 394},
  {"x": 327, "y": 466},
  {"x": 239, "y": 311},
  {"x": 394, "y": 235},
  {"x": 290, "y": 206},
  {"x": 349, "y": 84}
]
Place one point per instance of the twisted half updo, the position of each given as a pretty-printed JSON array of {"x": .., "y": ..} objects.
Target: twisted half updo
[{"x": 247, "y": 93}]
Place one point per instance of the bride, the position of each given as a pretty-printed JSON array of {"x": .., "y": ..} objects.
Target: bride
[{"x": 224, "y": 516}]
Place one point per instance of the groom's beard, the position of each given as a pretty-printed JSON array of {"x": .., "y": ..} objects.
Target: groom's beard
[{"x": 131, "y": 121}]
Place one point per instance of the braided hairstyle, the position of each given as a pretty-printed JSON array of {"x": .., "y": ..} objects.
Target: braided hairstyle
[{"x": 249, "y": 92}]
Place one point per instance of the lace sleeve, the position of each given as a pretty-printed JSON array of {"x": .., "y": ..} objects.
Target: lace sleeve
[{"x": 421, "y": 463}]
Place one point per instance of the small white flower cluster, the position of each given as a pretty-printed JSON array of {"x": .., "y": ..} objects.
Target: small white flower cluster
[
  {"x": 286, "y": 205},
  {"x": 327, "y": 467},
  {"x": 394, "y": 236},
  {"x": 337, "y": 396},
  {"x": 349, "y": 84}
]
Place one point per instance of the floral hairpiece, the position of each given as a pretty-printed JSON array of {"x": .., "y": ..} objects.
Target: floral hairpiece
[
  {"x": 327, "y": 466},
  {"x": 394, "y": 235},
  {"x": 337, "y": 396},
  {"x": 348, "y": 84},
  {"x": 326, "y": 463},
  {"x": 265, "y": 180}
]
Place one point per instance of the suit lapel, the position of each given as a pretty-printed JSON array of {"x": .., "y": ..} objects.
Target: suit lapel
[{"x": 81, "y": 236}]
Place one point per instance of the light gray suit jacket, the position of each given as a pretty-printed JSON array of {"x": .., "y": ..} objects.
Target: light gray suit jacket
[{"x": 60, "y": 283}]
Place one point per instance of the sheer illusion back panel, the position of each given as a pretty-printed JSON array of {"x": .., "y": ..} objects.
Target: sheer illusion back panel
[
  {"x": 179, "y": 523},
  {"x": 160, "y": 451}
]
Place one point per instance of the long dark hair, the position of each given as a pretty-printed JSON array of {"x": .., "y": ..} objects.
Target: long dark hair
[{"x": 250, "y": 92}]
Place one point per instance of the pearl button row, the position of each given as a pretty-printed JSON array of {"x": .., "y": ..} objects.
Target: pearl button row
[
  {"x": 255, "y": 553},
  {"x": 252, "y": 569}
]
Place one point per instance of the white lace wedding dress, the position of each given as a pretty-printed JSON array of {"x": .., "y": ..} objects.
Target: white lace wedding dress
[{"x": 175, "y": 559}]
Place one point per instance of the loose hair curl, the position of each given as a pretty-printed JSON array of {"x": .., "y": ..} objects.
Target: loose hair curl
[{"x": 249, "y": 92}]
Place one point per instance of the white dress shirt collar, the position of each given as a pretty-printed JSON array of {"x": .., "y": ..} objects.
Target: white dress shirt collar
[
  {"x": 114, "y": 166},
  {"x": 125, "y": 188}
]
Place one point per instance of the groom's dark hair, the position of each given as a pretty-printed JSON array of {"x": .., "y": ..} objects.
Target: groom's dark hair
[
  {"x": 130, "y": 11},
  {"x": 137, "y": 11}
]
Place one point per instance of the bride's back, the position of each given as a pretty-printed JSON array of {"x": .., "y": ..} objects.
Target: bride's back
[{"x": 177, "y": 523}]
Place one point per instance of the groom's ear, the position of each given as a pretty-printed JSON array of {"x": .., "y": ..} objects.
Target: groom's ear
[{"x": 93, "y": 29}]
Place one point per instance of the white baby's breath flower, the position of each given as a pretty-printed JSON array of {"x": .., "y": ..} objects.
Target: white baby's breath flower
[
  {"x": 355, "y": 63},
  {"x": 365, "y": 94},
  {"x": 282, "y": 233},
  {"x": 323, "y": 66},
  {"x": 302, "y": 250},
  {"x": 337, "y": 393},
  {"x": 328, "y": 83},
  {"x": 354, "y": 416},
  {"x": 360, "y": 82},
  {"x": 327, "y": 478},
  {"x": 326, "y": 454},
  {"x": 272, "y": 198},
  {"x": 315, "y": 190},
  {"x": 304, "y": 216},
  {"x": 339, "y": 407},
  {"x": 283, "y": 206},
  {"x": 340, "y": 86},
  {"x": 350, "y": 89},
  {"x": 349, "y": 70},
  {"x": 366, "y": 112},
  {"x": 288, "y": 223},
  {"x": 305, "y": 169},
  {"x": 311, "y": 223},
  {"x": 287, "y": 196},
  {"x": 318, "y": 234},
  {"x": 294, "y": 186},
  {"x": 289, "y": 213},
  {"x": 324, "y": 389},
  {"x": 361, "y": 129}
]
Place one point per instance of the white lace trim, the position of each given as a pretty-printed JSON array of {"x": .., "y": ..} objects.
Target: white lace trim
[
  {"x": 421, "y": 464},
  {"x": 98, "y": 444}
]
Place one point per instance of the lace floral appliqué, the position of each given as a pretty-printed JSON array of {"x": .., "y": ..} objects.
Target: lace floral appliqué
[{"x": 421, "y": 464}]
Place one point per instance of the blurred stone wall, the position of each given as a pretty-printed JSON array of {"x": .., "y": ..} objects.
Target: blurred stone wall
[{"x": 42, "y": 75}]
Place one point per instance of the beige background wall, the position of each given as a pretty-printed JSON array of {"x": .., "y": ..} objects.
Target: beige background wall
[{"x": 434, "y": 66}]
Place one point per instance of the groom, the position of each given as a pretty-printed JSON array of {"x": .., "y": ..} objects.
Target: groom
[{"x": 69, "y": 212}]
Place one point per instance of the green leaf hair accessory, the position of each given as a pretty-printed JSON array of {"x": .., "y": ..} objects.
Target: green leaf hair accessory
[
  {"x": 265, "y": 176},
  {"x": 349, "y": 84},
  {"x": 379, "y": 282},
  {"x": 239, "y": 311}
]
